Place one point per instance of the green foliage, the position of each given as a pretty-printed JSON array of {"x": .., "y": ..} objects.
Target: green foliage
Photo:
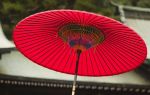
[
  {"x": 137, "y": 3},
  {"x": 85, "y": 5},
  {"x": 122, "y": 2},
  {"x": 9, "y": 7},
  {"x": 144, "y": 3}
]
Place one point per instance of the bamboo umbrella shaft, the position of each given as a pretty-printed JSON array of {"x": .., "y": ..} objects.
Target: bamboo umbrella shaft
[{"x": 76, "y": 72}]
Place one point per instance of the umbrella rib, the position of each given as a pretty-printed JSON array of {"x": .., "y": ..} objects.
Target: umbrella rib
[
  {"x": 36, "y": 34},
  {"x": 128, "y": 52},
  {"x": 126, "y": 40},
  {"x": 121, "y": 57},
  {"x": 51, "y": 17},
  {"x": 114, "y": 36},
  {"x": 42, "y": 50},
  {"x": 49, "y": 53},
  {"x": 68, "y": 59},
  {"x": 87, "y": 64},
  {"x": 56, "y": 47},
  {"x": 109, "y": 23},
  {"x": 75, "y": 15},
  {"x": 131, "y": 47},
  {"x": 83, "y": 17},
  {"x": 80, "y": 21},
  {"x": 61, "y": 58},
  {"x": 50, "y": 60},
  {"x": 35, "y": 53},
  {"x": 119, "y": 28},
  {"x": 28, "y": 39},
  {"x": 105, "y": 61},
  {"x": 100, "y": 63},
  {"x": 49, "y": 31},
  {"x": 91, "y": 63},
  {"x": 54, "y": 51},
  {"x": 131, "y": 53},
  {"x": 60, "y": 15},
  {"x": 101, "y": 22},
  {"x": 37, "y": 23},
  {"x": 124, "y": 56},
  {"x": 31, "y": 32},
  {"x": 36, "y": 45},
  {"x": 41, "y": 17},
  {"x": 71, "y": 17},
  {"x": 30, "y": 45},
  {"x": 48, "y": 17},
  {"x": 132, "y": 42},
  {"x": 67, "y": 16},
  {"x": 66, "y": 62},
  {"x": 94, "y": 20},
  {"x": 32, "y": 29},
  {"x": 109, "y": 60},
  {"x": 125, "y": 34},
  {"x": 91, "y": 20},
  {"x": 33, "y": 43},
  {"x": 117, "y": 56},
  {"x": 126, "y": 59},
  {"x": 106, "y": 27},
  {"x": 138, "y": 52},
  {"x": 61, "y": 52},
  {"x": 97, "y": 65}
]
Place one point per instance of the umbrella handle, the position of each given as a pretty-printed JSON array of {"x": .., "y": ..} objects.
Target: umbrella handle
[
  {"x": 74, "y": 85},
  {"x": 76, "y": 72}
]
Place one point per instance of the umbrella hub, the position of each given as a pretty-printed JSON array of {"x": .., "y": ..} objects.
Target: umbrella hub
[{"x": 81, "y": 37}]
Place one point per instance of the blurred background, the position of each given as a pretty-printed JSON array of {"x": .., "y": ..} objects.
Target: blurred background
[{"x": 18, "y": 75}]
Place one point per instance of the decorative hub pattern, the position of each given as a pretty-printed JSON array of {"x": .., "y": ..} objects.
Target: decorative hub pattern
[{"x": 81, "y": 37}]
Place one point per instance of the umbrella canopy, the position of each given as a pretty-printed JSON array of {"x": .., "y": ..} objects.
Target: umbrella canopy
[{"x": 52, "y": 38}]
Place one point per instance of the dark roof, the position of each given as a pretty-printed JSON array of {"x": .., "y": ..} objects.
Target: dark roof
[{"x": 37, "y": 82}]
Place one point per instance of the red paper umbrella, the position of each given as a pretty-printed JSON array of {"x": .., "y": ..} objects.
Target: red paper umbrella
[{"x": 78, "y": 42}]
